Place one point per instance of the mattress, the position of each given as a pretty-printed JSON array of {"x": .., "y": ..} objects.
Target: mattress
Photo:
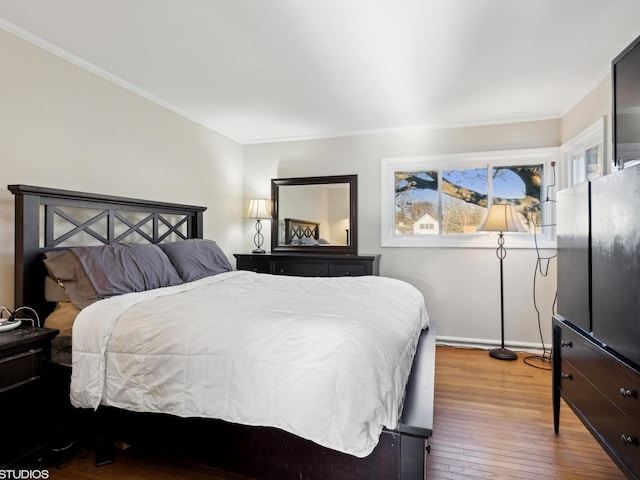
[{"x": 326, "y": 359}]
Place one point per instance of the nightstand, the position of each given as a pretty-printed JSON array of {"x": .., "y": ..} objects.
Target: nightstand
[{"x": 24, "y": 412}]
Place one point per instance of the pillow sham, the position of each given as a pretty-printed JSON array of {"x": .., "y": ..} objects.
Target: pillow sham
[
  {"x": 62, "y": 318},
  {"x": 65, "y": 267},
  {"x": 54, "y": 291},
  {"x": 196, "y": 258},
  {"x": 91, "y": 273}
]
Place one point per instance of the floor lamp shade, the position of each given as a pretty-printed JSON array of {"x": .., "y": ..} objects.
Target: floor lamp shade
[
  {"x": 502, "y": 218},
  {"x": 258, "y": 209}
]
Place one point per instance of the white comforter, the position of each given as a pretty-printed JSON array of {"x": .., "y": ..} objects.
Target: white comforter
[{"x": 324, "y": 358}]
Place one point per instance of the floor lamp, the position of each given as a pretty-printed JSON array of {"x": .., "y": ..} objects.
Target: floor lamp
[{"x": 502, "y": 218}]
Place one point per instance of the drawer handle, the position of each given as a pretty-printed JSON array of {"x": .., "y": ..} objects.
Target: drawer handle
[
  {"x": 566, "y": 343},
  {"x": 626, "y": 393},
  {"x": 566, "y": 376},
  {"x": 627, "y": 440}
]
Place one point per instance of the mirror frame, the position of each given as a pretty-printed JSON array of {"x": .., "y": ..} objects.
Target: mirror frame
[{"x": 351, "y": 249}]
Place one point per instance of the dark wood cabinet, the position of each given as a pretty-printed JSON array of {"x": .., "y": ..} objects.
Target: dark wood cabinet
[
  {"x": 23, "y": 398},
  {"x": 601, "y": 389},
  {"x": 596, "y": 334},
  {"x": 615, "y": 252},
  {"x": 309, "y": 265}
]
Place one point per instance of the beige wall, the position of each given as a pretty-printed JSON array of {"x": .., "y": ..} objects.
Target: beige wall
[
  {"x": 461, "y": 286},
  {"x": 596, "y": 104},
  {"x": 63, "y": 127}
]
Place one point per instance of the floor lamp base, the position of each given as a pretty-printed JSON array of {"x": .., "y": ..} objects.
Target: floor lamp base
[{"x": 503, "y": 354}]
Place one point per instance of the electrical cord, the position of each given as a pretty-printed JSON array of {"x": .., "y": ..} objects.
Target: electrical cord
[
  {"x": 35, "y": 321},
  {"x": 542, "y": 267},
  {"x": 5, "y": 309}
]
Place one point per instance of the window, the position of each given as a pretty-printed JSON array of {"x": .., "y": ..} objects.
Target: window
[
  {"x": 584, "y": 154},
  {"x": 442, "y": 200}
]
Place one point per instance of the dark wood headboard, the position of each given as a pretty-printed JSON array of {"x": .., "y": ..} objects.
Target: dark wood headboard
[
  {"x": 298, "y": 229},
  {"x": 89, "y": 219}
]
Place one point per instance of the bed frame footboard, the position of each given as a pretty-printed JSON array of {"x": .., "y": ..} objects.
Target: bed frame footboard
[{"x": 266, "y": 453}]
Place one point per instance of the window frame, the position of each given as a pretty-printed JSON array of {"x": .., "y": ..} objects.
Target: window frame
[
  {"x": 389, "y": 167},
  {"x": 591, "y": 137}
]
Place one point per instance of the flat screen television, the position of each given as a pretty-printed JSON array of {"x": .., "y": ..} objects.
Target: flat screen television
[{"x": 626, "y": 106}]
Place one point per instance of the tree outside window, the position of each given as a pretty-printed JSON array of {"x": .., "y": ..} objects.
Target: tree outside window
[
  {"x": 464, "y": 195},
  {"x": 443, "y": 197}
]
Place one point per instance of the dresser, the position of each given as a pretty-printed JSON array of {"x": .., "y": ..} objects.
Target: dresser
[
  {"x": 309, "y": 265},
  {"x": 601, "y": 389},
  {"x": 596, "y": 340}
]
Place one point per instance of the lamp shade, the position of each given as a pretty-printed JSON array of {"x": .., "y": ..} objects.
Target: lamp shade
[
  {"x": 502, "y": 218},
  {"x": 258, "y": 208}
]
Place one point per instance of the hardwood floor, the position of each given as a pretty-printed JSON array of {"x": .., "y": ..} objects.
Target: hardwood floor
[{"x": 493, "y": 420}]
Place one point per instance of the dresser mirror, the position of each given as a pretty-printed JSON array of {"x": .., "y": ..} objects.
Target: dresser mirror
[{"x": 315, "y": 215}]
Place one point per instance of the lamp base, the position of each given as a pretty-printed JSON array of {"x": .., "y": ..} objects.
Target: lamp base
[
  {"x": 503, "y": 354},
  {"x": 258, "y": 250}
]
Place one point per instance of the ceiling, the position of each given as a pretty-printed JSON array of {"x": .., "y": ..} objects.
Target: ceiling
[{"x": 265, "y": 70}]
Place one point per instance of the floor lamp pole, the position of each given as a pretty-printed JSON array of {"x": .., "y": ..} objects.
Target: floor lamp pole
[{"x": 502, "y": 353}]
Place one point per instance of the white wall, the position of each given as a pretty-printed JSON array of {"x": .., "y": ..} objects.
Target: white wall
[
  {"x": 63, "y": 127},
  {"x": 461, "y": 286}
]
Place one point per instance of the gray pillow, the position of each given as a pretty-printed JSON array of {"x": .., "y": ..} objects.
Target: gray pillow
[
  {"x": 91, "y": 273},
  {"x": 124, "y": 268},
  {"x": 196, "y": 258}
]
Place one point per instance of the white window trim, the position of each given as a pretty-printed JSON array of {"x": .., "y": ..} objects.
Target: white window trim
[
  {"x": 591, "y": 136},
  {"x": 468, "y": 160}
]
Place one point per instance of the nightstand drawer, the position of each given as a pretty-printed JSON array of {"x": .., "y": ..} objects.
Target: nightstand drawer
[
  {"x": 301, "y": 269},
  {"x": 20, "y": 368}
]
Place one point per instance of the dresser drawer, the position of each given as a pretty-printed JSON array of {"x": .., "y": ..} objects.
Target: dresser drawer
[
  {"x": 309, "y": 265},
  {"x": 21, "y": 368},
  {"x": 301, "y": 269},
  {"x": 254, "y": 263},
  {"x": 352, "y": 269},
  {"x": 616, "y": 429},
  {"x": 615, "y": 381}
]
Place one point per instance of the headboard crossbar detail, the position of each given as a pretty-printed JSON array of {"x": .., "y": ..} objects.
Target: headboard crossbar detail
[
  {"x": 299, "y": 229},
  {"x": 88, "y": 217},
  {"x": 112, "y": 218}
]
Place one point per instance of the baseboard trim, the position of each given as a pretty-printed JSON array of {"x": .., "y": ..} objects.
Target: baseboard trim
[{"x": 485, "y": 344}]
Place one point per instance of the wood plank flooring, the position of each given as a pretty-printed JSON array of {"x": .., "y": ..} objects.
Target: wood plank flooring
[{"x": 493, "y": 420}]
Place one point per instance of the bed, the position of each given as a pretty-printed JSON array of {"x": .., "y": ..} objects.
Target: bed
[{"x": 245, "y": 444}]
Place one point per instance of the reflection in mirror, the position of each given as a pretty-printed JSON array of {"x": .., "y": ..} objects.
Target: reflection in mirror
[{"x": 314, "y": 214}]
